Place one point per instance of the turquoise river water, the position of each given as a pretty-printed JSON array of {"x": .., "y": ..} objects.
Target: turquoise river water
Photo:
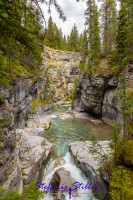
[{"x": 63, "y": 132}]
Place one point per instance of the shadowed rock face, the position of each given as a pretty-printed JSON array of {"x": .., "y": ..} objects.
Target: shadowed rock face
[
  {"x": 97, "y": 95},
  {"x": 88, "y": 162}
]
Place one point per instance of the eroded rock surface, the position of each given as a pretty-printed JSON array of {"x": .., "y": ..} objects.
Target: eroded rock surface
[
  {"x": 97, "y": 95},
  {"x": 27, "y": 161},
  {"x": 60, "y": 69},
  {"x": 88, "y": 162}
]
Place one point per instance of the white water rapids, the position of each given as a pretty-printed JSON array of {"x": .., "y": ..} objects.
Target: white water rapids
[{"x": 76, "y": 173}]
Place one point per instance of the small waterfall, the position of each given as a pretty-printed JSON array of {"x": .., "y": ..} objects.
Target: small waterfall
[
  {"x": 61, "y": 133},
  {"x": 76, "y": 173}
]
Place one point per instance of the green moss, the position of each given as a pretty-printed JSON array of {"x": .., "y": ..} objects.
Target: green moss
[
  {"x": 75, "y": 83},
  {"x": 5, "y": 122},
  {"x": 1, "y": 99},
  {"x": 70, "y": 96},
  {"x": 38, "y": 102},
  {"x": 82, "y": 65}
]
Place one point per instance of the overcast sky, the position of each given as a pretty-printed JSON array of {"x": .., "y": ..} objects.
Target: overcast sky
[{"x": 74, "y": 11}]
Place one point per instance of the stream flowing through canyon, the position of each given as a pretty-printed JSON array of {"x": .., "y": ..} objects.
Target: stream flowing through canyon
[{"x": 62, "y": 132}]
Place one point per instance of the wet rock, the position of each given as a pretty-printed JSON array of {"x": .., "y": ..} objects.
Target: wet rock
[
  {"x": 82, "y": 115},
  {"x": 89, "y": 164},
  {"x": 62, "y": 177},
  {"x": 59, "y": 162}
]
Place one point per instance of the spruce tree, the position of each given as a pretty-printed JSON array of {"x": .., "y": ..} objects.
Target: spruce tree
[
  {"x": 49, "y": 36},
  {"x": 93, "y": 30},
  {"x": 122, "y": 38},
  {"x": 109, "y": 24}
]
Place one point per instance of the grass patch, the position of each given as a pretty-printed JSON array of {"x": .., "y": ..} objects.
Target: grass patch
[
  {"x": 5, "y": 122},
  {"x": 103, "y": 67},
  {"x": 38, "y": 102},
  {"x": 69, "y": 97}
]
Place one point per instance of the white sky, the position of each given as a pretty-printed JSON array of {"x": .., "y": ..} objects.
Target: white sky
[{"x": 74, "y": 11}]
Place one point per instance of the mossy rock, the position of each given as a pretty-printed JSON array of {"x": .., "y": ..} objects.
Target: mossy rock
[
  {"x": 5, "y": 122},
  {"x": 37, "y": 102}
]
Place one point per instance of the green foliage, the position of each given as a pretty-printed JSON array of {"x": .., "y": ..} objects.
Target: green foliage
[
  {"x": 120, "y": 183},
  {"x": 108, "y": 14},
  {"x": 75, "y": 83},
  {"x": 38, "y": 102},
  {"x": 54, "y": 37},
  {"x": 1, "y": 99},
  {"x": 93, "y": 32},
  {"x": 126, "y": 103},
  {"x": 82, "y": 65},
  {"x": 128, "y": 153},
  {"x": 70, "y": 96},
  {"x": 73, "y": 40},
  {"x": 20, "y": 39},
  {"x": 29, "y": 193},
  {"x": 93, "y": 29},
  {"x": 124, "y": 42},
  {"x": 5, "y": 122}
]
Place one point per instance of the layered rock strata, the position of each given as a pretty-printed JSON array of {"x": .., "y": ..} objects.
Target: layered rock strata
[
  {"x": 97, "y": 95},
  {"x": 60, "y": 69}
]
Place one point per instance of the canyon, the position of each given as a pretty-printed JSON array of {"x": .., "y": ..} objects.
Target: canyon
[{"x": 28, "y": 103}]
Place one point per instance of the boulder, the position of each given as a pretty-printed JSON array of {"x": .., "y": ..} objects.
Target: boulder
[
  {"x": 62, "y": 177},
  {"x": 33, "y": 154},
  {"x": 89, "y": 164},
  {"x": 59, "y": 162},
  {"x": 39, "y": 121}
]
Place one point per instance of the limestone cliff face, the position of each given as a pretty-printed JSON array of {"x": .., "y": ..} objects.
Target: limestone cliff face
[
  {"x": 60, "y": 69},
  {"x": 97, "y": 95}
]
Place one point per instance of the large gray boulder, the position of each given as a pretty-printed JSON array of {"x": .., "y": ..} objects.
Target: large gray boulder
[
  {"x": 27, "y": 162},
  {"x": 33, "y": 153},
  {"x": 89, "y": 163}
]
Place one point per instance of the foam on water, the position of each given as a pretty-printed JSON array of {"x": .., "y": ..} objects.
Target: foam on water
[{"x": 75, "y": 172}]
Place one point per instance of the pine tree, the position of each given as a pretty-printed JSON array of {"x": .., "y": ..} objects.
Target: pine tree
[
  {"x": 73, "y": 40},
  {"x": 85, "y": 45},
  {"x": 93, "y": 30},
  {"x": 109, "y": 24},
  {"x": 49, "y": 36},
  {"x": 20, "y": 39}
]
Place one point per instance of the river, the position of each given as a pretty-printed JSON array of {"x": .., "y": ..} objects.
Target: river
[{"x": 63, "y": 132}]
